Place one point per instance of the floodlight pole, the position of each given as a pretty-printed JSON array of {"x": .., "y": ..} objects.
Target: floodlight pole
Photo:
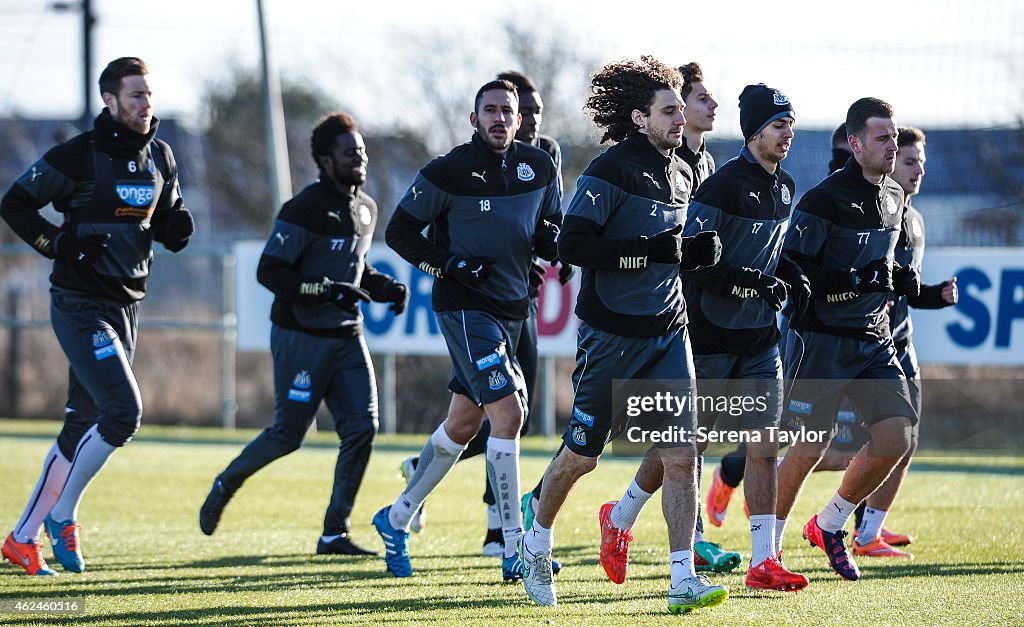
[
  {"x": 88, "y": 21},
  {"x": 273, "y": 111}
]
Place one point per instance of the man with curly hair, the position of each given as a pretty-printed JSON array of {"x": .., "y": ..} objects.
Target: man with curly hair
[
  {"x": 732, "y": 315},
  {"x": 623, "y": 229}
]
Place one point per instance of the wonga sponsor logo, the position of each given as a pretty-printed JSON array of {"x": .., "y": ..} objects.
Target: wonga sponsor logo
[
  {"x": 800, "y": 407},
  {"x": 486, "y": 362},
  {"x": 135, "y": 194},
  {"x": 103, "y": 341},
  {"x": 583, "y": 416},
  {"x": 302, "y": 396}
]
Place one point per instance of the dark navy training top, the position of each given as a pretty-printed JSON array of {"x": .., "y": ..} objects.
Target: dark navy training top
[
  {"x": 484, "y": 205},
  {"x": 629, "y": 192},
  {"x": 750, "y": 209},
  {"x": 845, "y": 222}
]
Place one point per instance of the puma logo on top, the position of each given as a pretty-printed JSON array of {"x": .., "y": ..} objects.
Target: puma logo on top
[
  {"x": 648, "y": 175},
  {"x": 700, "y": 222},
  {"x": 35, "y": 174},
  {"x": 800, "y": 230},
  {"x": 858, "y": 206},
  {"x": 592, "y": 197},
  {"x": 479, "y": 175},
  {"x": 755, "y": 195},
  {"x": 334, "y": 214},
  {"x": 282, "y": 237},
  {"x": 415, "y": 192}
]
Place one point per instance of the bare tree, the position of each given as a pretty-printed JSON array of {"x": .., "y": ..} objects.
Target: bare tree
[
  {"x": 561, "y": 73},
  {"x": 236, "y": 146}
]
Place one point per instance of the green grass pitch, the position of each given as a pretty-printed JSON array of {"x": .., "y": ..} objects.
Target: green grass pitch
[{"x": 148, "y": 563}]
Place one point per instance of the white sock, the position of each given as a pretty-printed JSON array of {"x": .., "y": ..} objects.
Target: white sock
[
  {"x": 780, "y": 528},
  {"x": 330, "y": 538},
  {"x": 493, "y": 517},
  {"x": 45, "y": 494},
  {"x": 503, "y": 470},
  {"x": 436, "y": 459},
  {"x": 762, "y": 538},
  {"x": 870, "y": 525},
  {"x": 92, "y": 454},
  {"x": 627, "y": 510},
  {"x": 698, "y": 536},
  {"x": 834, "y": 515},
  {"x": 538, "y": 539},
  {"x": 681, "y": 566}
]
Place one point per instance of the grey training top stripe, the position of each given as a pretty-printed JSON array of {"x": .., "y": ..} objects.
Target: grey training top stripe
[
  {"x": 844, "y": 249},
  {"x": 623, "y": 215},
  {"x": 747, "y": 243},
  {"x": 910, "y": 252}
]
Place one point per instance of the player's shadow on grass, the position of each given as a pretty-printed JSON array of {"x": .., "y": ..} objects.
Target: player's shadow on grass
[
  {"x": 274, "y": 582},
  {"x": 362, "y": 612},
  {"x": 926, "y": 464},
  {"x": 241, "y": 561},
  {"x": 893, "y": 570},
  {"x": 585, "y": 553},
  {"x": 289, "y": 566}
]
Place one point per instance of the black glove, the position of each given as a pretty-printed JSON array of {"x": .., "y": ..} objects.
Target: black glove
[
  {"x": 799, "y": 297},
  {"x": 665, "y": 247},
  {"x": 773, "y": 291},
  {"x": 174, "y": 227},
  {"x": 874, "y": 277},
  {"x": 703, "y": 249},
  {"x": 537, "y": 272},
  {"x": 750, "y": 282},
  {"x": 82, "y": 249},
  {"x": 469, "y": 271},
  {"x": 544, "y": 240},
  {"x": 345, "y": 295},
  {"x": 906, "y": 281},
  {"x": 566, "y": 272},
  {"x": 398, "y": 295}
]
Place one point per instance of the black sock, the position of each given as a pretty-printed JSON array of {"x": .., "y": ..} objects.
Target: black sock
[
  {"x": 733, "y": 466},
  {"x": 536, "y": 489},
  {"x": 858, "y": 514}
]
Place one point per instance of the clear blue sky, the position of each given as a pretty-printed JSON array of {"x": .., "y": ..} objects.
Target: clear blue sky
[{"x": 942, "y": 63}]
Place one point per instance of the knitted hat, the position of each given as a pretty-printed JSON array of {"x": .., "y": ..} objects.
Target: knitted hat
[{"x": 761, "y": 105}]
